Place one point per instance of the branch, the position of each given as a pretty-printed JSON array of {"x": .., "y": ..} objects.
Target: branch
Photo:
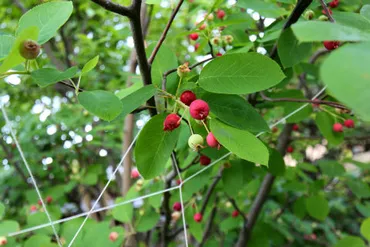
[
  {"x": 165, "y": 31},
  {"x": 20, "y": 6},
  {"x": 210, "y": 190},
  {"x": 327, "y": 10},
  {"x": 114, "y": 7},
  {"x": 264, "y": 190},
  {"x": 301, "y": 6},
  {"x": 209, "y": 225},
  {"x": 233, "y": 202},
  {"x": 211, "y": 49},
  {"x": 321, "y": 102}
]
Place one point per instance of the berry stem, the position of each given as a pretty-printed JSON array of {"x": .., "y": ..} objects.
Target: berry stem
[
  {"x": 205, "y": 126},
  {"x": 332, "y": 114}
]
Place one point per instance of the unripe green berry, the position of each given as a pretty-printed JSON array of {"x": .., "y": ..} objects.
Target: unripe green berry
[
  {"x": 195, "y": 142},
  {"x": 309, "y": 14},
  {"x": 216, "y": 41},
  {"x": 29, "y": 49},
  {"x": 323, "y": 18},
  {"x": 228, "y": 39},
  {"x": 183, "y": 70}
]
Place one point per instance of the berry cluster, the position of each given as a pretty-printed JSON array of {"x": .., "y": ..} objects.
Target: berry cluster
[{"x": 348, "y": 123}]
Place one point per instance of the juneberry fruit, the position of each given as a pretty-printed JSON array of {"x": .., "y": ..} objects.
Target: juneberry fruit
[
  {"x": 228, "y": 39},
  {"x": 349, "y": 123},
  {"x": 196, "y": 46},
  {"x": 220, "y": 14},
  {"x": 212, "y": 141},
  {"x": 199, "y": 109},
  {"x": 204, "y": 160},
  {"x": 337, "y": 127},
  {"x": 309, "y": 14},
  {"x": 334, "y": 3},
  {"x": 195, "y": 142},
  {"x": 33, "y": 208},
  {"x": 235, "y": 214},
  {"x": 198, "y": 217},
  {"x": 171, "y": 122},
  {"x": 183, "y": 70},
  {"x": 49, "y": 199},
  {"x": 177, "y": 206},
  {"x": 290, "y": 149},
  {"x": 194, "y": 36},
  {"x": 175, "y": 216},
  {"x": 135, "y": 173},
  {"x": 3, "y": 241},
  {"x": 219, "y": 54},
  {"x": 187, "y": 97},
  {"x": 29, "y": 49},
  {"x": 316, "y": 105},
  {"x": 295, "y": 127},
  {"x": 331, "y": 45},
  {"x": 113, "y": 236},
  {"x": 324, "y": 12},
  {"x": 203, "y": 26},
  {"x": 178, "y": 181}
]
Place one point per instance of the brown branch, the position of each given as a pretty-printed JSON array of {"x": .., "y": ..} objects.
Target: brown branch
[
  {"x": 321, "y": 102},
  {"x": 210, "y": 191},
  {"x": 211, "y": 49},
  {"x": 20, "y": 6},
  {"x": 115, "y": 8},
  {"x": 164, "y": 33},
  {"x": 327, "y": 10},
  {"x": 209, "y": 225}
]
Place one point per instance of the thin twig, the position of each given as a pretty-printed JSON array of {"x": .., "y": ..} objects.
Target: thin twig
[
  {"x": 114, "y": 7},
  {"x": 210, "y": 191},
  {"x": 211, "y": 49},
  {"x": 233, "y": 202},
  {"x": 209, "y": 225},
  {"x": 327, "y": 11},
  {"x": 164, "y": 33}
]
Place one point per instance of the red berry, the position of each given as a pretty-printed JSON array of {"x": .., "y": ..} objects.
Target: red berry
[
  {"x": 334, "y": 3},
  {"x": 198, "y": 217},
  {"x": 235, "y": 214},
  {"x": 331, "y": 45},
  {"x": 3, "y": 241},
  {"x": 196, "y": 46},
  {"x": 337, "y": 127},
  {"x": 219, "y": 54},
  {"x": 203, "y": 26},
  {"x": 187, "y": 97},
  {"x": 275, "y": 129},
  {"x": 194, "y": 36},
  {"x": 33, "y": 208},
  {"x": 315, "y": 104},
  {"x": 177, "y": 206},
  {"x": 349, "y": 123},
  {"x": 212, "y": 141},
  {"x": 220, "y": 14},
  {"x": 204, "y": 160},
  {"x": 113, "y": 236},
  {"x": 178, "y": 181},
  {"x": 171, "y": 122},
  {"x": 199, "y": 109},
  {"x": 324, "y": 12},
  {"x": 290, "y": 149},
  {"x": 295, "y": 127},
  {"x": 49, "y": 199},
  {"x": 135, "y": 173},
  {"x": 39, "y": 202}
]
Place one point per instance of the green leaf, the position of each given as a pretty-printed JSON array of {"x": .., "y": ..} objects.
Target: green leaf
[
  {"x": 229, "y": 224},
  {"x": 365, "y": 11},
  {"x": 299, "y": 207},
  {"x": 308, "y": 31},
  {"x": 8, "y": 226},
  {"x": 240, "y": 142},
  {"x": 137, "y": 98},
  {"x": 263, "y": 8},
  {"x": 14, "y": 57},
  {"x": 317, "y": 207},
  {"x": 365, "y": 228},
  {"x": 331, "y": 168},
  {"x": 6, "y": 43},
  {"x": 359, "y": 188},
  {"x": 352, "y": 20},
  {"x": 324, "y": 122},
  {"x": 350, "y": 241},
  {"x": 38, "y": 241},
  {"x": 154, "y": 147},
  {"x": 276, "y": 163},
  {"x": 240, "y": 73},
  {"x": 125, "y": 212},
  {"x": 147, "y": 221},
  {"x": 355, "y": 94},
  {"x": 90, "y": 65},
  {"x": 235, "y": 111},
  {"x": 48, "y": 17},
  {"x": 232, "y": 178},
  {"x": 290, "y": 50},
  {"x": 364, "y": 208},
  {"x": 103, "y": 104},
  {"x": 2, "y": 210},
  {"x": 48, "y": 76}
]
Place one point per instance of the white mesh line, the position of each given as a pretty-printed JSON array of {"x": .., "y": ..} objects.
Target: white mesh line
[
  {"x": 104, "y": 189},
  {"x": 163, "y": 191},
  {"x": 183, "y": 216},
  {"x": 86, "y": 213},
  {"x": 7, "y": 122}
]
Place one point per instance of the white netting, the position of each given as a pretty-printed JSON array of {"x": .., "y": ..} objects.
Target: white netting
[{"x": 93, "y": 210}]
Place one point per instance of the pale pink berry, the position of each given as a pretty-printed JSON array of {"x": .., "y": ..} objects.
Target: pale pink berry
[
  {"x": 337, "y": 127},
  {"x": 198, "y": 217},
  {"x": 349, "y": 123},
  {"x": 135, "y": 173},
  {"x": 212, "y": 141},
  {"x": 113, "y": 236}
]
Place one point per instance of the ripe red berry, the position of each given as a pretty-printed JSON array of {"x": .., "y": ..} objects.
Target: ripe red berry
[
  {"x": 315, "y": 104},
  {"x": 29, "y": 49},
  {"x": 178, "y": 181},
  {"x": 33, "y": 208},
  {"x": 295, "y": 127},
  {"x": 177, "y": 206},
  {"x": 324, "y": 12},
  {"x": 349, "y": 123},
  {"x": 187, "y": 97},
  {"x": 219, "y": 54},
  {"x": 199, "y": 109},
  {"x": 3, "y": 241},
  {"x": 204, "y": 160},
  {"x": 49, "y": 199},
  {"x": 113, "y": 236},
  {"x": 235, "y": 214},
  {"x": 198, "y": 217},
  {"x": 334, "y": 3},
  {"x": 39, "y": 202},
  {"x": 135, "y": 173},
  {"x": 203, "y": 26},
  {"x": 337, "y": 127},
  {"x": 220, "y": 14},
  {"x": 290, "y": 149},
  {"x": 194, "y": 36},
  {"x": 171, "y": 122},
  {"x": 331, "y": 45},
  {"x": 196, "y": 46},
  {"x": 212, "y": 141}
]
